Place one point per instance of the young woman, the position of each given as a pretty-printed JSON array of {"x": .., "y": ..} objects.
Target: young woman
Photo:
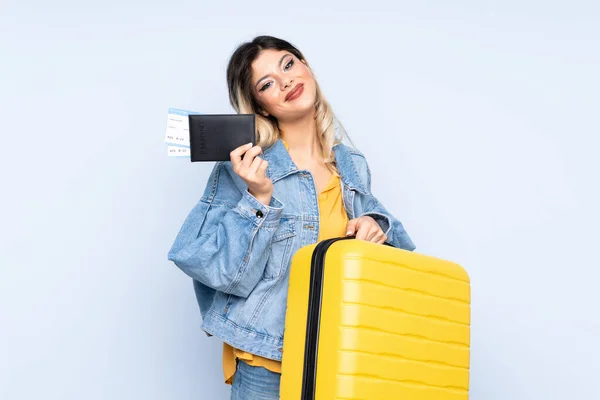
[{"x": 298, "y": 185}]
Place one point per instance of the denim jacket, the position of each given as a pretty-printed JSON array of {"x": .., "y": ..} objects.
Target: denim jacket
[{"x": 238, "y": 251}]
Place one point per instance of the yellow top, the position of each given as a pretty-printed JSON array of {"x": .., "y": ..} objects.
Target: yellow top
[{"x": 333, "y": 223}]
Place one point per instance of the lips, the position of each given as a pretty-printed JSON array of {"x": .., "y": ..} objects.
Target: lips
[{"x": 295, "y": 92}]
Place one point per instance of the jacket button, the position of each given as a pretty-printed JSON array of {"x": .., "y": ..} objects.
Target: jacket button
[{"x": 259, "y": 214}]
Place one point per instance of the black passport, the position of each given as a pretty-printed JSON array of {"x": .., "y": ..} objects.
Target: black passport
[{"x": 214, "y": 136}]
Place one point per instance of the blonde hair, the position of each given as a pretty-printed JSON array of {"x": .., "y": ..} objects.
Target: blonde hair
[{"x": 267, "y": 128}]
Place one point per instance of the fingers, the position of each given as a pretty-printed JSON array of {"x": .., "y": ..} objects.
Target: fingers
[
  {"x": 380, "y": 237},
  {"x": 250, "y": 156},
  {"x": 363, "y": 232},
  {"x": 244, "y": 166},
  {"x": 373, "y": 231},
  {"x": 371, "y": 234},
  {"x": 369, "y": 230},
  {"x": 236, "y": 155},
  {"x": 254, "y": 166},
  {"x": 259, "y": 167},
  {"x": 262, "y": 168},
  {"x": 352, "y": 225},
  {"x": 376, "y": 235},
  {"x": 360, "y": 228}
]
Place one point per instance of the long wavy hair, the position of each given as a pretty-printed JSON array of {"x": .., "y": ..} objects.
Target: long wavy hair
[{"x": 239, "y": 82}]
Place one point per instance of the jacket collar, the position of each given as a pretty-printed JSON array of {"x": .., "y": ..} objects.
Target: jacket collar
[{"x": 282, "y": 165}]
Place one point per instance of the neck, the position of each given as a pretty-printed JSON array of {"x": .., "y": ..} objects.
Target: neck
[{"x": 301, "y": 138}]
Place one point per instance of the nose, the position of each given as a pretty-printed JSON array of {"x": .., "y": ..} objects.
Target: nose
[{"x": 288, "y": 84}]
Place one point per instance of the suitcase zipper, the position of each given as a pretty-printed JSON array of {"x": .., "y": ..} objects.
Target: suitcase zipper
[{"x": 313, "y": 320}]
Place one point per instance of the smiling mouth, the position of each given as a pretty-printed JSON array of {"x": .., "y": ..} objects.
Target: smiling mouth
[{"x": 295, "y": 93}]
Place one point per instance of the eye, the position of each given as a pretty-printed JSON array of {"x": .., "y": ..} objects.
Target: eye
[
  {"x": 289, "y": 65},
  {"x": 265, "y": 87}
]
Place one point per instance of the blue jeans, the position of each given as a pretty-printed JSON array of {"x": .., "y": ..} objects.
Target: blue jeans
[{"x": 254, "y": 383}]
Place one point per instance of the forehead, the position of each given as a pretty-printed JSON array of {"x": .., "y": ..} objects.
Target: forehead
[{"x": 267, "y": 61}]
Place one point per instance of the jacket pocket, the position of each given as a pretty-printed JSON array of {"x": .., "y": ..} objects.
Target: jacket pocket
[{"x": 280, "y": 249}]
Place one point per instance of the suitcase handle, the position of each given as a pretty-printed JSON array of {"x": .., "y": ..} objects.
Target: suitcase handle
[{"x": 354, "y": 237}]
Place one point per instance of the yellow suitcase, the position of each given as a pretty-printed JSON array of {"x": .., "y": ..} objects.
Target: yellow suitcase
[{"x": 369, "y": 321}]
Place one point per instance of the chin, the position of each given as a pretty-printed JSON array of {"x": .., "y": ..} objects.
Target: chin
[
  {"x": 298, "y": 112},
  {"x": 302, "y": 105}
]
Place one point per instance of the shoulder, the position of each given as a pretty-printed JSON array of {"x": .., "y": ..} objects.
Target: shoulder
[
  {"x": 353, "y": 163},
  {"x": 352, "y": 152}
]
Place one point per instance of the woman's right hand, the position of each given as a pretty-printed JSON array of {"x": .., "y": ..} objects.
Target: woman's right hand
[{"x": 253, "y": 170}]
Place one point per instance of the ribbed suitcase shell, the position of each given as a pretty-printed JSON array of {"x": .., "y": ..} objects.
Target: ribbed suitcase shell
[{"x": 393, "y": 324}]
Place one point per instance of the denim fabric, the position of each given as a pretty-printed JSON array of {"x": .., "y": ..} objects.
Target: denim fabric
[
  {"x": 238, "y": 250},
  {"x": 254, "y": 383}
]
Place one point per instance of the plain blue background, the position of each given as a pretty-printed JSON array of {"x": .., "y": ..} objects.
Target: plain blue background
[{"x": 480, "y": 122}]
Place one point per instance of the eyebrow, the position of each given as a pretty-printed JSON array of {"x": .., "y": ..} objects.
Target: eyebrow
[{"x": 266, "y": 76}]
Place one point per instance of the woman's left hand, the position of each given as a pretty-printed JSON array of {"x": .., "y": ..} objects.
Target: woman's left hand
[{"x": 366, "y": 228}]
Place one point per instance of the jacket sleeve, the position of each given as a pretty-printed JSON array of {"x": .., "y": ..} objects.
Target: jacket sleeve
[
  {"x": 224, "y": 241},
  {"x": 391, "y": 226}
]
